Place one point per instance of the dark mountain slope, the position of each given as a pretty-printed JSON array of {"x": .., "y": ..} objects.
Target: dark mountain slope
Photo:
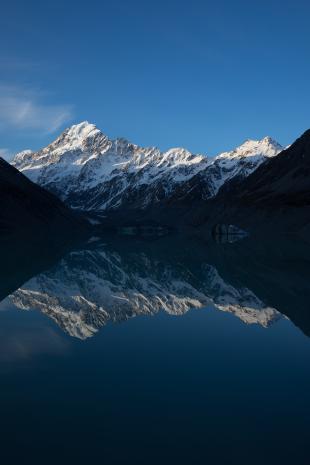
[
  {"x": 275, "y": 198},
  {"x": 25, "y": 206},
  {"x": 281, "y": 181}
]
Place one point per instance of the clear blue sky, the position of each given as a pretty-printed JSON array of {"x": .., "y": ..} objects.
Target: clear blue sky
[{"x": 200, "y": 74}]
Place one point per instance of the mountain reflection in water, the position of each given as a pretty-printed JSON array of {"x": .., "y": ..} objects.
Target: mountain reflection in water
[{"x": 110, "y": 281}]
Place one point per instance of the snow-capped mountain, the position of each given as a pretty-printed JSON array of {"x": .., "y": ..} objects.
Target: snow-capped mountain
[
  {"x": 92, "y": 287},
  {"x": 274, "y": 199},
  {"x": 88, "y": 171}
]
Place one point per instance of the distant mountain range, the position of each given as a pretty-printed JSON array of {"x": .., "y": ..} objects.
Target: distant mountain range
[
  {"x": 256, "y": 186},
  {"x": 88, "y": 171}
]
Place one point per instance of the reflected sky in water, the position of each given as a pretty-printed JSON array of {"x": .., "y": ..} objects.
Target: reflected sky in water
[{"x": 155, "y": 351}]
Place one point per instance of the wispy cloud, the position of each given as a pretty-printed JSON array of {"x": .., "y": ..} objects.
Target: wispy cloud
[{"x": 25, "y": 109}]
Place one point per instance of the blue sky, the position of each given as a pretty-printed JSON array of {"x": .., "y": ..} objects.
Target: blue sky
[{"x": 205, "y": 75}]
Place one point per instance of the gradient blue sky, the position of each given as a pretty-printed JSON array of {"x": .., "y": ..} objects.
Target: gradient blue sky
[{"x": 202, "y": 74}]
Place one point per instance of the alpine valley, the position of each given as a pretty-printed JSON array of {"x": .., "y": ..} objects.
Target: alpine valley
[{"x": 115, "y": 182}]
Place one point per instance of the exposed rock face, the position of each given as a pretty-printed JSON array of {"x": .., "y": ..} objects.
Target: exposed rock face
[{"x": 88, "y": 171}]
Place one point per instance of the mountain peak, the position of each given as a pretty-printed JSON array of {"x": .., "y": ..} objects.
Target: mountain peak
[
  {"x": 84, "y": 136},
  {"x": 267, "y": 140},
  {"x": 79, "y": 132},
  {"x": 91, "y": 171},
  {"x": 250, "y": 148}
]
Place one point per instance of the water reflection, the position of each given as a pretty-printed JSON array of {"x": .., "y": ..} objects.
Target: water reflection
[{"x": 111, "y": 281}]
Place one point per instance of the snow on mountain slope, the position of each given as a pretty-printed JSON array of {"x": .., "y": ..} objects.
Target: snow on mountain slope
[
  {"x": 91, "y": 172},
  {"x": 241, "y": 161},
  {"x": 91, "y": 288}
]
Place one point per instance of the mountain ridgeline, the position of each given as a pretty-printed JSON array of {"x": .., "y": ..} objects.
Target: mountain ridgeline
[
  {"x": 276, "y": 197},
  {"x": 255, "y": 186}
]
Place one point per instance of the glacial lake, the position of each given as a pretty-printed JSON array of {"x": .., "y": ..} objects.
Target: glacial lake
[{"x": 155, "y": 351}]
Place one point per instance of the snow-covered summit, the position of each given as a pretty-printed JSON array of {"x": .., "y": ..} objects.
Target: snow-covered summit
[
  {"x": 241, "y": 162},
  {"x": 89, "y": 171},
  {"x": 82, "y": 130},
  {"x": 266, "y": 146}
]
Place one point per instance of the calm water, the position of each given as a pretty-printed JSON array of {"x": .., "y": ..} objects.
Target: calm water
[{"x": 155, "y": 352}]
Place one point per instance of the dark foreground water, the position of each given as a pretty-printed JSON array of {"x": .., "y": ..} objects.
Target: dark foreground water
[{"x": 155, "y": 352}]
